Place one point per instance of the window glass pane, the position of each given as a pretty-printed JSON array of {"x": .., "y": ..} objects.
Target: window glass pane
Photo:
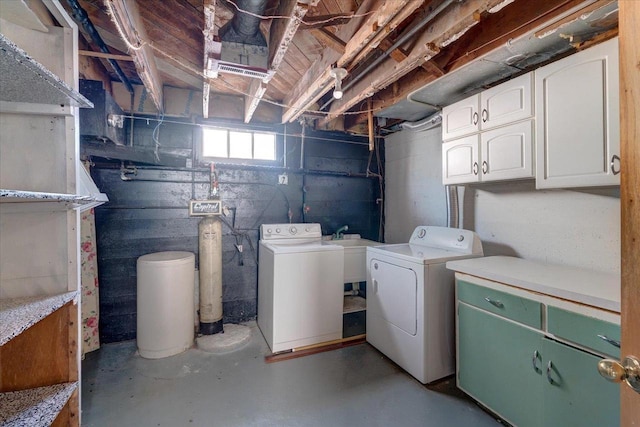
[
  {"x": 240, "y": 145},
  {"x": 264, "y": 146},
  {"x": 214, "y": 142}
]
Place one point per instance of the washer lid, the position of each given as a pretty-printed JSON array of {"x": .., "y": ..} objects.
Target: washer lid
[
  {"x": 418, "y": 253},
  {"x": 300, "y": 247}
]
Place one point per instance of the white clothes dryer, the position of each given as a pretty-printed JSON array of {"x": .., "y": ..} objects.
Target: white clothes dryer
[
  {"x": 300, "y": 289},
  {"x": 410, "y": 299}
]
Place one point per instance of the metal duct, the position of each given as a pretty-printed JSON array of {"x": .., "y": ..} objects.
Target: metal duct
[
  {"x": 424, "y": 124},
  {"x": 245, "y": 28},
  {"x": 453, "y": 207}
]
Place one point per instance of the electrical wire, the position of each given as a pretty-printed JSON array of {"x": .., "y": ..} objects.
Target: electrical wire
[{"x": 333, "y": 18}]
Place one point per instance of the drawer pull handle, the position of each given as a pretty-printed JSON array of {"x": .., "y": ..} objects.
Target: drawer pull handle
[
  {"x": 549, "y": 368},
  {"x": 609, "y": 340},
  {"x": 494, "y": 302},
  {"x": 534, "y": 360}
]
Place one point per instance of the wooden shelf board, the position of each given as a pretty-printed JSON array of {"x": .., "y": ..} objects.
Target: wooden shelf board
[
  {"x": 19, "y": 314},
  {"x": 17, "y": 196},
  {"x": 25, "y": 80},
  {"x": 36, "y": 406}
]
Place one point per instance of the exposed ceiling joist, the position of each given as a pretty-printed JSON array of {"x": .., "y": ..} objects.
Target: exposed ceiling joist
[
  {"x": 209, "y": 33},
  {"x": 127, "y": 18},
  {"x": 280, "y": 37},
  {"x": 317, "y": 81},
  {"x": 321, "y": 21},
  {"x": 445, "y": 28},
  {"x": 329, "y": 39}
]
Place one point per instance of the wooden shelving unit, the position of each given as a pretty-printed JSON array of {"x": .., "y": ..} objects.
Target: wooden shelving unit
[{"x": 39, "y": 221}]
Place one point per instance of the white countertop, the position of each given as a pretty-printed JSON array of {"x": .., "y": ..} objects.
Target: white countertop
[{"x": 588, "y": 287}]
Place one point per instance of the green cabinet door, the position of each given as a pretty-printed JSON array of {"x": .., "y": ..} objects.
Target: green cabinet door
[
  {"x": 495, "y": 365},
  {"x": 577, "y": 395}
]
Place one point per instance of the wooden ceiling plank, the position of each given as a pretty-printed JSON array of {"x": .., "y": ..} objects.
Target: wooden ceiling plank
[
  {"x": 403, "y": 14},
  {"x": 449, "y": 25},
  {"x": 208, "y": 51},
  {"x": 329, "y": 39},
  {"x": 127, "y": 16},
  {"x": 316, "y": 81},
  {"x": 280, "y": 37},
  {"x": 94, "y": 54}
]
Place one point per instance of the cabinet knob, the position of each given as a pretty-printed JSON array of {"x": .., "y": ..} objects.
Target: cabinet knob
[
  {"x": 534, "y": 360},
  {"x": 485, "y": 167},
  {"x": 615, "y": 159},
  {"x": 549, "y": 369},
  {"x": 475, "y": 118},
  {"x": 627, "y": 371},
  {"x": 609, "y": 340},
  {"x": 475, "y": 168},
  {"x": 485, "y": 115},
  {"x": 494, "y": 302}
]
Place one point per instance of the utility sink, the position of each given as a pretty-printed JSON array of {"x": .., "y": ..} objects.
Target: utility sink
[{"x": 355, "y": 256}]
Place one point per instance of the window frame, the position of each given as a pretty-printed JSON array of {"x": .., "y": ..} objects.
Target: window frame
[{"x": 278, "y": 161}]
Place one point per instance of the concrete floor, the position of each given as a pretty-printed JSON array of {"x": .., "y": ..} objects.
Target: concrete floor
[{"x": 354, "y": 386}]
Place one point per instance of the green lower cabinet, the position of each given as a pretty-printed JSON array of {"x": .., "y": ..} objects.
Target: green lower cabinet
[
  {"x": 577, "y": 395},
  {"x": 496, "y": 365}
]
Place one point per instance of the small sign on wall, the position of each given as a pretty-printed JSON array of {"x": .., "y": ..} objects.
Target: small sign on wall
[{"x": 205, "y": 207}]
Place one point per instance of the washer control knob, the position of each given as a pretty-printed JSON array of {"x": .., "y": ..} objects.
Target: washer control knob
[
  {"x": 422, "y": 233},
  {"x": 307, "y": 229},
  {"x": 277, "y": 230},
  {"x": 268, "y": 230},
  {"x": 293, "y": 230},
  {"x": 460, "y": 238}
]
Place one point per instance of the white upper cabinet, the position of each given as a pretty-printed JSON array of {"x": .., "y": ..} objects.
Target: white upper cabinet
[
  {"x": 578, "y": 120},
  {"x": 499, "y": 154},
  {"x": 507, "y": 103},
  {"x": 503, "y": 104},
  {"x": 507, "y": 152},
  {"x": 460, "y": 161},
  {"x": 461, "y": 118}
]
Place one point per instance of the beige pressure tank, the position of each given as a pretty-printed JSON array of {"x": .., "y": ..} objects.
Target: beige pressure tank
[{"x": 165, "y": 303}]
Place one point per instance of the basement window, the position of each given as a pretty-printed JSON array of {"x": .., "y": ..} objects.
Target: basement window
[{"x": 232, "y": 144}]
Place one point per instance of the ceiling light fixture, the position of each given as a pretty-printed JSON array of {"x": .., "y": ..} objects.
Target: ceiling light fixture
[{"x": 338, "y": 74}]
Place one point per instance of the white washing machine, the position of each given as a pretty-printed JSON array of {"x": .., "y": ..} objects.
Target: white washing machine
[
  {"x": 300, "y": 289},
  {"x": 410, "y": 299}
]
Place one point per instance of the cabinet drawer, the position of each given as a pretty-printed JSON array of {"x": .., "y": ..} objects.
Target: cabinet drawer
[
  {"x": 510, "y": 306},
  {"x": 583, "y": 330}
]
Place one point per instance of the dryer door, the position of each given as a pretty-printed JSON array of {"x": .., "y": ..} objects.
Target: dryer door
[{"x": 394, "y": 294}]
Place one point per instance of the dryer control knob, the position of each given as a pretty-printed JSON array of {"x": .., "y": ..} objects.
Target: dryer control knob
[
  {"x": 422, "y": 233},
  {"x": 277, "y": 230},
  {"x": 269, "y": 230},
  {"x": 307, "y": 229},
  {"x": 293, "y": 230},
  {"x": 460, "y": 238}
]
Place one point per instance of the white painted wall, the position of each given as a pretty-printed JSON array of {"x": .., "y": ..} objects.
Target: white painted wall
[
  {"x": 413, "y": 178},
  {"x": 576, "y": 228}
]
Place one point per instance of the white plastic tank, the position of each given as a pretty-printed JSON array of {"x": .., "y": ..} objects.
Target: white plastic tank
[{"x": 165, "y": 303}]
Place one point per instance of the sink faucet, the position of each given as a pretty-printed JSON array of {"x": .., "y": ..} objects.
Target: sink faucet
[{"x": 338, "y": 235}]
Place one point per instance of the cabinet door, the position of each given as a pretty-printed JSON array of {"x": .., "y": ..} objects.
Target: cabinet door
[
  {"x": 577, "y": 115},
  {"x": 507, "y": 152},
  {"x": 460, "y": 161},
  {"x": 577, "y": 396},
  {"x": 495, "y": 365},
  {"x": 507, "y": 103},
  {"x": 461, "y": 118}
]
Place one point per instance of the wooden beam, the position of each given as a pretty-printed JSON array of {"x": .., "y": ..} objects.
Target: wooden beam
[
  {"x": 329, "y": 39},
  {"x": 209, "y": 38},
  {"x": 383, "y": 35},
  {"x": 317, "y": 81},
  {"x": 630, "y": 196},
  {"x": 126, "y": 16},
  {"x": 321, "y": 21},
  {"x": 94, "y": 54},
  {"x": 280, "y": 37}
]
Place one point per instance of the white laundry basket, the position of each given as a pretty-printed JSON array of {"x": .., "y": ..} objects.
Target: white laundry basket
[{"x": 165, "y": 303}]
